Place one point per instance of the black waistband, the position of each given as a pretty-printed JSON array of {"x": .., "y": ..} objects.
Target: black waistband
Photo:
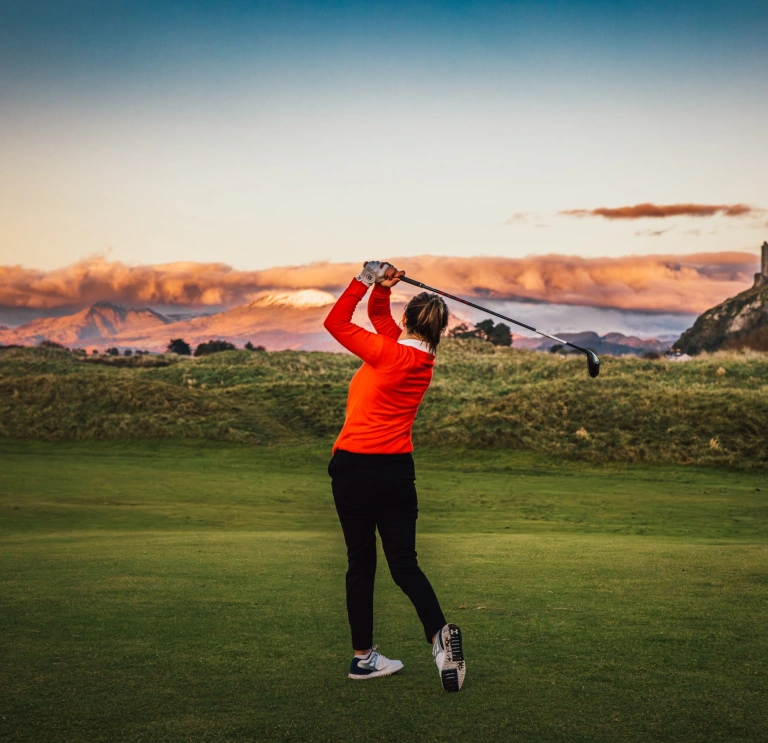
[
  {"x": 377, "y": 459},
  {"x": 389, "y": 464}
]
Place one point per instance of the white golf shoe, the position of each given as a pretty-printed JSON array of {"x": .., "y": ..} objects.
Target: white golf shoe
[
  {"x": 372, "y": 665},
  {"x": 448, "y": 653}
]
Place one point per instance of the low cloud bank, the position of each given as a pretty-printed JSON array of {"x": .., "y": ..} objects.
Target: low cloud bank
[{"x": 666, "y": 283}]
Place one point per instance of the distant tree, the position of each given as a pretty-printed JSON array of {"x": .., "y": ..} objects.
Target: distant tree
[
  {"x": 250, "y": 347},
  {"x": 205, "y": 349},
  {"x": 496, "y": 333},
  {"x": 556, "y": 348},
  {"x": 113, "y": 351},
  {"x": 652, "y": 355},
  {"x": 180, "y": 347},
  {"x": 500, "y": 335},
  {"x": 127, "y": 352},
  {"x": 95, "y": 351},
  {"x": 486, "y": 330},
  {"x": 50, "y": 344},
  {"x": 464, "y": 331}
]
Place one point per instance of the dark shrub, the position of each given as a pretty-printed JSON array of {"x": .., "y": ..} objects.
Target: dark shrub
[
  {"x": 501, "y": 335},
  {"x": 464, "y": 331},
  {"x": 205, "y": 349},
  {"x": 498, "y": 334},
  {"x": 250, "y": 347},
  {"x": 180, "y": 347}
]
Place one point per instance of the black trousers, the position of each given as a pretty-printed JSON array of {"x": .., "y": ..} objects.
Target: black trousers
[{"x": 377, "y": 491}]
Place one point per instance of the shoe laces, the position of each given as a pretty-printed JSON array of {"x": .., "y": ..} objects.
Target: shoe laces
[
  {"x": 372, "y": 657},
  {"x": 437, "y": 645}
]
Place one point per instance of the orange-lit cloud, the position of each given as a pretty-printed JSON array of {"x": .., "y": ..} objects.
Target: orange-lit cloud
[
  {"x": 658, "y": 211},
  {"x": 687, "y": 283}
]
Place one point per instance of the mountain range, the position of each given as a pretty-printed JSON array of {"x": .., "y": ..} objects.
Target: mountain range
[
  {"x": 285, "y": 320},
  {"x": 612, "y": 344},
  {"x": 90, "y": 326}
]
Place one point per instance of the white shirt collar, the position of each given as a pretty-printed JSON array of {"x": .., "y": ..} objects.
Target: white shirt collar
[{"x": 414, "y": 343}]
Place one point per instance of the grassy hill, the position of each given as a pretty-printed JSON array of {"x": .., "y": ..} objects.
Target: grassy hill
[{"x": 708, "y": 411}]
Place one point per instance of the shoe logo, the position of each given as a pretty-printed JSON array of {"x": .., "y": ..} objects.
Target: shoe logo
[{"x": 368, "y": 662}]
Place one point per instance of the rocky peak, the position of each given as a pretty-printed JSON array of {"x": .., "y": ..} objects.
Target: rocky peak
[{"x": 739, "y": 322}]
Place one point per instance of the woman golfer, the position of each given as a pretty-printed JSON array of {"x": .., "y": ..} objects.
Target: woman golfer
[{"x": 372, "y": 468}]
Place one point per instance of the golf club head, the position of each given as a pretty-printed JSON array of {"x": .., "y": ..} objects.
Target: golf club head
[{"x": 593, "y": 364}]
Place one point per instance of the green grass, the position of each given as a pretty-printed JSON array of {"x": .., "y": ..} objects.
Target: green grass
[
  {"x": 179, "y": 591},
  {"x": 710, "y": 411}
]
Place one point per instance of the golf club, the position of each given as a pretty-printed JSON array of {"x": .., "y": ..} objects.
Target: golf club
[{"x": 593, "y": 363}]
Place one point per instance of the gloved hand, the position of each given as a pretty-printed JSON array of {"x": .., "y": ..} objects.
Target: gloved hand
[{"x": 373, "y": 272}]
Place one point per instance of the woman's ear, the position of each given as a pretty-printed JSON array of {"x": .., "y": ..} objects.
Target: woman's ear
[{"x": 403, "y": 320}]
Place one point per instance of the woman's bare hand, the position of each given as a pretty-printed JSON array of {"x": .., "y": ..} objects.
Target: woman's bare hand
[{"x": 392, "y": 276}]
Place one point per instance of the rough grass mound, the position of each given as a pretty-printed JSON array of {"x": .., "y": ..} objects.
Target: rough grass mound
[{"x": 708, "y": 411}]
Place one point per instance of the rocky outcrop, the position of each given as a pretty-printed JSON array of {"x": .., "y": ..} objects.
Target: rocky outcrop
[{"x": 739, "y": 322}]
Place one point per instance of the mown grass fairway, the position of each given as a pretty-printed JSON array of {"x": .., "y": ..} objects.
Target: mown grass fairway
[{"x": 172, "y": 592}]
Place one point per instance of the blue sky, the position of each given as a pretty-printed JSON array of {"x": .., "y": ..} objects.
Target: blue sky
[{"x": 264, "y": 134}]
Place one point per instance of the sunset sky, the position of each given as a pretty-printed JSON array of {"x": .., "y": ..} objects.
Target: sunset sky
[
  {"x": 177, "y": 152},
  {"x": 275, "y": 133}
]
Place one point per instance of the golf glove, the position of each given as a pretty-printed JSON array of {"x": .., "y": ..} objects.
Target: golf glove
[{"x": 373, "y": 272}]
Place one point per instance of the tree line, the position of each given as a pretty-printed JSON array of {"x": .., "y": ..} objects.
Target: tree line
[
  {"x": 182, "y": 348},
  {"x": 177, "y": 345},
  {"x": 498, "y": 334}
]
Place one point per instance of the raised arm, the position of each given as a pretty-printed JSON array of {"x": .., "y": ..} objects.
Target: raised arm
[
  {"x": 380, "y": 314},
  {"x": 364, "y": 344}
]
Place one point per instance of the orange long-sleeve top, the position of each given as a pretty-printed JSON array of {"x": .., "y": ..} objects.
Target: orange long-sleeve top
[{"x": 386, "y": 391}]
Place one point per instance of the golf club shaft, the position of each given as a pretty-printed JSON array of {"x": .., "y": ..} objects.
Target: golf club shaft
[{"x": 491, "y": 312}]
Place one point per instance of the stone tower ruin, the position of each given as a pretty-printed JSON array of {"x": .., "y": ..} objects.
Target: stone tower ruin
[{"x": 762, "y": 277}]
